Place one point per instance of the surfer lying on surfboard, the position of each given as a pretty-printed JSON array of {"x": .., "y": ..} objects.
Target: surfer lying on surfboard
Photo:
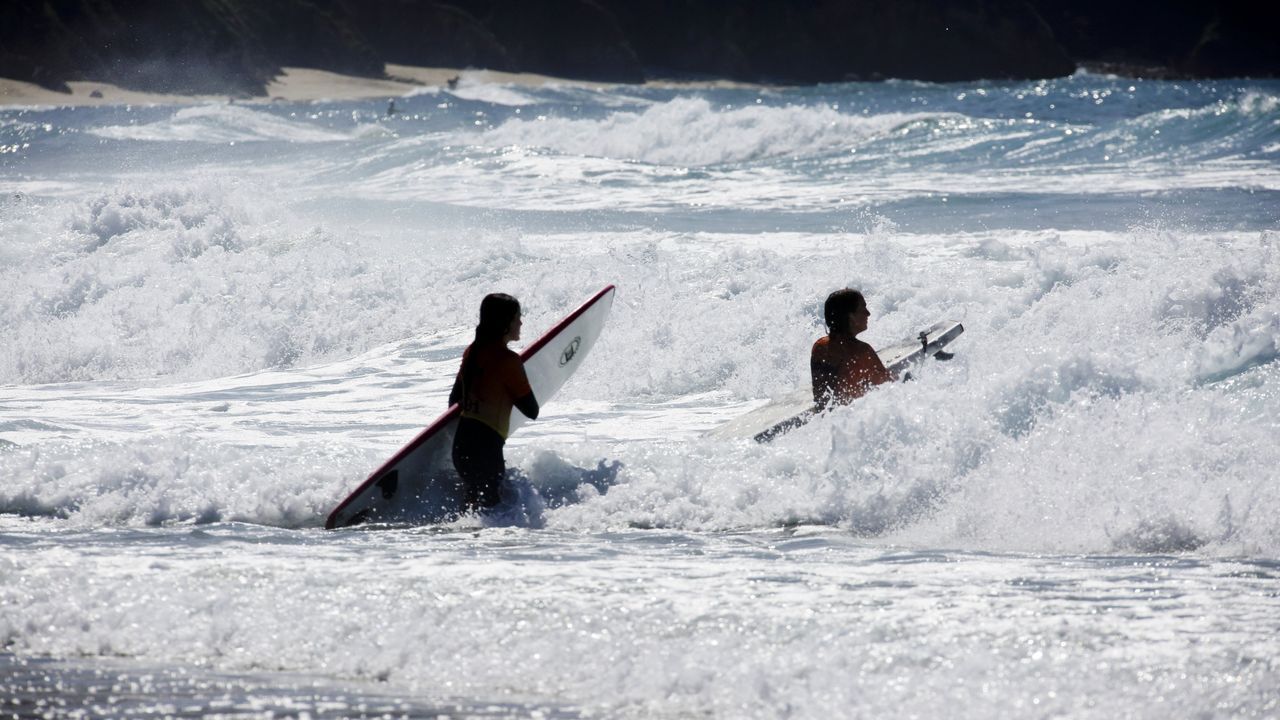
[
  {"x": 844, "y": 368},
  {"x": 490, "y": 382}
]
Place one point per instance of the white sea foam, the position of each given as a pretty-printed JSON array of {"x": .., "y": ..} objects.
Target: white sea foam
[
  {"x": 1081, "y": 339},
  {"x": 221, "y": 124},
  {"x": 177, "y": 478},
  {"x": 205, "y": 281},
  {"x": 1248, "y": 341},
  {"x": 693, "y": 132},
  {"x": 689, "y": 154},
  {"x": 494, "y": 94},
  {"x": 200, "y": 355},
  {"x": 724, "y": 628}
]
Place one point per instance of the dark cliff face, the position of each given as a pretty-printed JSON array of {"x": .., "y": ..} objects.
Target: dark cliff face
[
  {"x": 1177, "y": 38},
  {"x": 207, "y": 46},
  {"x": 834, "y": 40},
  {"x": 181, "y": 46},
  {"x": 570, "y": 38},
  {"x": 941, "y": 41},
  {"x": 1240, "y": 40},
  {"x": 237, "y": 46},
  {"x": 411, "y": 32}
]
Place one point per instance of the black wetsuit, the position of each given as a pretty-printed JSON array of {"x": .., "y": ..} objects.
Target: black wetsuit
[
  {"x": 498, "y": 383},
  {"x": 477, "y": 456}
]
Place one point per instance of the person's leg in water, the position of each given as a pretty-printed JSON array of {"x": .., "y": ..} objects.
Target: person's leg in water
[{"x": 477, "y": 456}]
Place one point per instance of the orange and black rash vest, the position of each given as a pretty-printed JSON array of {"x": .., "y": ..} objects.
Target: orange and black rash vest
[
  {"x": 843, "y": 369},
  {"x": 498, "y": 380}
]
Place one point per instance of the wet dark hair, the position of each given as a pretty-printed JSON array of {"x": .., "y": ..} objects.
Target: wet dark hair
[
  {"x": 497, "y": 310},
  {"x": 837, "y": 308}
]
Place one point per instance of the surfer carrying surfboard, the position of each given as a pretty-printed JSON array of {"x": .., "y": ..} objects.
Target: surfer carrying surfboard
[
  {"x": 490, "y": 382},
  {"x": 844, "y": 368}
]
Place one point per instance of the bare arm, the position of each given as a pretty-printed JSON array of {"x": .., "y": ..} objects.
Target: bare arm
[
  {"x": 528, "y": 405},
  {"x": 824, "y": 381},
  {"x": 519, "y": 388},
  {"x": 455, "y": 395},
  {"x": 879, "y": 373}
]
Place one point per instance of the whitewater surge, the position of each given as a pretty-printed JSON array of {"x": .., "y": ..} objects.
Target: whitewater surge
[
  {"x": 1129, "y": 342},
  {"x": 689, "y": 132},
  {"x": 221, "y": 124},
  {"x": 217, "y": 320}
]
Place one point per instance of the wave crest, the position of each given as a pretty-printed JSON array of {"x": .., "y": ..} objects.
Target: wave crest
[
  {"x": 220, "y": 124},
  {"x": 692, "y": 132}
]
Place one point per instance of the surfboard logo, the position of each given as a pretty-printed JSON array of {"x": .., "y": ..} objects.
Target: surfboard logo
[{"x": 570, "y": 351}]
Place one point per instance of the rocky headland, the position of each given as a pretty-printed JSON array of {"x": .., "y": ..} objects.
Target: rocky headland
[{"x": 237, "y": 47}]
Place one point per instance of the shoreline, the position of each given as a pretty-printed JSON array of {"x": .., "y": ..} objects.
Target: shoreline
[
  {"x": 298, "y": 84},
  {"x": 294, "y": 84}
]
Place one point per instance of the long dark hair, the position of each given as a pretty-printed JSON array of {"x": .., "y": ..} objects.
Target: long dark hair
[
  {"x": 497, "y": 310},
  {"x": 837, "y": 308}
]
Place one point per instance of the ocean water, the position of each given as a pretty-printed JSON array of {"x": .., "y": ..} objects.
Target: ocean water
[{"x": 216, "y": 320}]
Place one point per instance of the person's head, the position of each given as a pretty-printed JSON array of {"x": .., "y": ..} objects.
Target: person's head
[
  {"x": 499, "y": 319},
  {"x": 845, "y": 312}
]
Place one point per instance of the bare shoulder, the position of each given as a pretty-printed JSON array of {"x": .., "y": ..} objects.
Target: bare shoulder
[
  {"x": 864, "y": 350},
  {"x": 511, "y": 358}
]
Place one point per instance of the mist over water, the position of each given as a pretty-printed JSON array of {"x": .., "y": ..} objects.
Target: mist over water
[{"x": 217, "y": 320}]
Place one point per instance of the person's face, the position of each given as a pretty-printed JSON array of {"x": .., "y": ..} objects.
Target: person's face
[
  {"x": 513, "y": 330},
  {"x": 858, "y": 319}
]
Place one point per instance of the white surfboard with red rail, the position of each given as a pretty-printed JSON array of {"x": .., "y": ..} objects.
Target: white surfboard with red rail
[
  {"x": 418, "y": 485},
  {"x": 784, "y": 414}
]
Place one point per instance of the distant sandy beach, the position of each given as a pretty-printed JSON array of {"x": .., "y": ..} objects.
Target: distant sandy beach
[
  {"x": 308, "y": 85},
  {"x": 294, "y": 85}
]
